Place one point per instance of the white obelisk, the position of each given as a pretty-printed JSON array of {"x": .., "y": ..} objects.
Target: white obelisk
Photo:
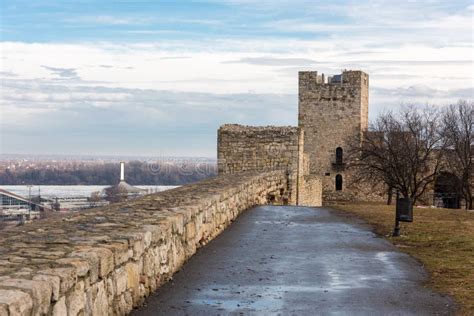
[{"x": 122, "y": 171}]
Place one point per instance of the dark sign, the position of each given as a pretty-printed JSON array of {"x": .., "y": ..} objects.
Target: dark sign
[{"x": 404, "y": 210}]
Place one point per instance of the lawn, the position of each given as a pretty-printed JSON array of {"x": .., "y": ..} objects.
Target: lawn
[{"x": 441, "y": 239}]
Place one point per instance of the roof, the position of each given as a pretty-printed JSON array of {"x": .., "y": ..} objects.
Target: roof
[{"x": 19, "y": 197}]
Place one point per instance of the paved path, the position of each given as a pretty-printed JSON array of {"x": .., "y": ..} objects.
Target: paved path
[{"x": 297, "y": 261}]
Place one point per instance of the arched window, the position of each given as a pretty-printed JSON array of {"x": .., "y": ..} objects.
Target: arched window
[
  {"x": 339, "y": 154},
  {"x": 338, "y": 182}
]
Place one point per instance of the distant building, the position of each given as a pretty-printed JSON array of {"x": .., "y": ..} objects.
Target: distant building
[
  {"x": 10, "y": 201},
  {"x": 17, "y": 209}
]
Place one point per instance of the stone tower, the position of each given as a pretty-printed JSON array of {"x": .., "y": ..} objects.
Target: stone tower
[{"x": 330, "y": 112}]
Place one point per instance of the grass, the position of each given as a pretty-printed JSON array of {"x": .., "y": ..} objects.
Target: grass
[{"x": 441, "y": 239}]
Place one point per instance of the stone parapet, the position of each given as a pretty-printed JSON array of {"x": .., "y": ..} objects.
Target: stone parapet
[
  {"x": 106, "y": 261},
  {"x": 257, "y": 148}
]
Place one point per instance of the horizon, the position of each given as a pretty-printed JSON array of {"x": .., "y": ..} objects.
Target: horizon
[{"x": 157, "y": 79}]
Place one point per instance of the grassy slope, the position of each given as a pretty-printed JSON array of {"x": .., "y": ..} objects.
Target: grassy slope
[{"x": 442, "y": 239}]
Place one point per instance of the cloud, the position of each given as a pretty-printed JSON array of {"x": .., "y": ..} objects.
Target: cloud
[
  {"x": 64, "y": 73},
  {"x": 107, "y": 20},
  {"x": 140, "y": 82},
  {"x": 91, "y": 119},
  {"x": 275, "y": 61},
  {"x": 7, "y": 74},
  {"x": 175, "y": 57},
  {"x": 422, "y": 92},
  {"x": 143, "y": 19}
]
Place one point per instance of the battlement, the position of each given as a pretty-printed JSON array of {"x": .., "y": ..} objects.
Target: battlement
[
  {"x": 247, "y": 129},
  {"x": 310, "y": 79}
]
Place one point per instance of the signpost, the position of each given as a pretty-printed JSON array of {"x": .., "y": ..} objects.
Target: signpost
[{"x": 403, "y": 213}]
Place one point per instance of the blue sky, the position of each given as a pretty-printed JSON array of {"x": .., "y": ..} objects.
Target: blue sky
[{"x": 158, "y": 77}]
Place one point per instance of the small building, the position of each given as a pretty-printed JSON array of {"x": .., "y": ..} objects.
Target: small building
[
  {"x": 17, "y": 209},
  {"x": 10, "y": 201}
]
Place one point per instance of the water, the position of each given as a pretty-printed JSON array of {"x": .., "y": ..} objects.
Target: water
[{"x": 78, "y": 191}]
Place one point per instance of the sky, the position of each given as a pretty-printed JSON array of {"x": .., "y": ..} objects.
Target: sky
[{"x": 157, "y": 78}]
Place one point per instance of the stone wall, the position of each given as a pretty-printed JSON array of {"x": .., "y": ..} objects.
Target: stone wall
[
  {"x": 310, "y": 193},
  {"x": 331, "y": 113},
  {"x": 106, "y": 261},
  {"x": 259, "y": 148}
]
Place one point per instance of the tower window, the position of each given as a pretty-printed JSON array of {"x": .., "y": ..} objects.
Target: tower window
[
  {"x": 339, "y": 155},
  {"x": 338, "y": 182}
]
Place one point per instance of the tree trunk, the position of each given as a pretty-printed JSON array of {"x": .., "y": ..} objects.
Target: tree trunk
[{"x": 389, "y": 197}]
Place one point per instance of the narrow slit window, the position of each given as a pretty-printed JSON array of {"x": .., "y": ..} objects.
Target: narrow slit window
[
  {"x": 338, "y": 182},
  {"x": 339, "y": 155}
]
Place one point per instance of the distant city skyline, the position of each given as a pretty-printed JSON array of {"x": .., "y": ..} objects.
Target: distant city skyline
[{"x": 154, "y": 78}]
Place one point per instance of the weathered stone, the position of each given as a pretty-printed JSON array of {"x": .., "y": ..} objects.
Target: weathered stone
[
  {"x": 120, "y": 251},
  {"x": 15, "y": 302},
  {"x": 60, "y": 309},
  {"x": 133, "y": 275},
  {"x": 75, "y": 299},
  {"x": 54, "y": 282},
  {"x": 92, "y": 259},
  {"x": 96, "y": 298},
  {"x": 82, "y": 266},
  {"x": 106, "y": 261},
  {"x": 40, "y": 292},
  {"x": 67, "y": 276},
  {"x": 3, "y": 310},
  {"x": 121, "y": 280}
]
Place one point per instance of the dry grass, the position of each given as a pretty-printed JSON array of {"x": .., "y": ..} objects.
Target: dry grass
[{"x": 441, "y": 239}]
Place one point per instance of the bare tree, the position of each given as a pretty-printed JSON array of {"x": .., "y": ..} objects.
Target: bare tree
[
  {"x": 402, "y": 151},
  {"x": 458, "y": 131},
  {"x": 95, "y": 199}
]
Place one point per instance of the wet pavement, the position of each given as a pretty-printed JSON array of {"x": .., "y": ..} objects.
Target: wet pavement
[{"x": 297, "y": 261}]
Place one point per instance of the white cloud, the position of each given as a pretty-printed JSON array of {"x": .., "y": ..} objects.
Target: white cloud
[
  {"x": 173, "y": 93},
  {"x": 107, "y": 20}
]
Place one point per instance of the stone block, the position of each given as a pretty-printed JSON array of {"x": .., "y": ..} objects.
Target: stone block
[
  {"x": 81, "y": 265},
  {"x": 67, "y": 276},
  {"x": 40, "y": 292},
  {"x": 59, "y": 308},
  {"x": 120, "y": 279},
  {"x": 133, "y": 276},
  {"x": 92, "y": 259},
  {"x": 54, "y": 282},
  {"x": 76, "y": 299},
  {"x": 106, "y": 261},
  {"x": 16, "y": 302},
  {"x": 96, "y": 300}
]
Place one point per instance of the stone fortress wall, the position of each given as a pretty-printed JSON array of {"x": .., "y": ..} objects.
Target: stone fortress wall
[
  {"x": 263, "y": 148},
  {"x": 331, "y": 113},
  {"x": 254, "y": 148},
  {"x": 106, "y": 261}
]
